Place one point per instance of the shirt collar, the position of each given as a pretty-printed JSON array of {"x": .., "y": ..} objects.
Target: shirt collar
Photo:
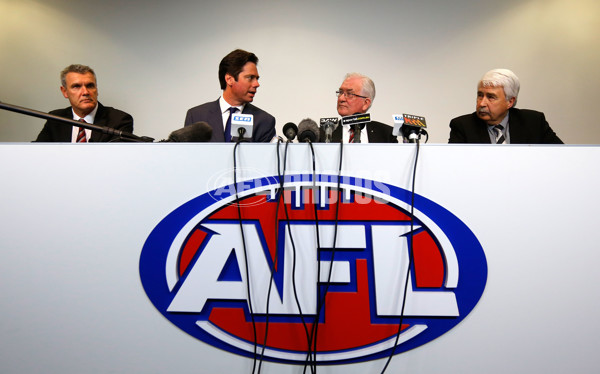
[
  {"x": 224, "y": 105},
  {"x": 89, "y": 118}
]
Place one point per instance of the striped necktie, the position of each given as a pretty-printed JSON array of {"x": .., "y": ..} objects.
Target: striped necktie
[
  {"x": 351, "y": 139},
  {"x": 499, "y": 135},
  {"x": 81, "y": 137}
]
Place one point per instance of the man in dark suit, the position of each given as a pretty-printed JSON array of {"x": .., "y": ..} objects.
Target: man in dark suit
[
  {"x": 238, "y": 76},
  {"x": 496, "y": 120},
  {"x": 355, "y": 96},
  {"x": 78, "y": 85}
]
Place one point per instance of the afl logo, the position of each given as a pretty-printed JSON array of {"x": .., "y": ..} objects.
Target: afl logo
[{"x": 317, "y": 269}]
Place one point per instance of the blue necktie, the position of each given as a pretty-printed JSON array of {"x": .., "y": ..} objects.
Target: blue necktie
[{"x": 228, "y": 124}]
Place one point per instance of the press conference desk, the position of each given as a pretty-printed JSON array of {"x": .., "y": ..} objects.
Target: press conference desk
[{"x": 75, "y": 219}]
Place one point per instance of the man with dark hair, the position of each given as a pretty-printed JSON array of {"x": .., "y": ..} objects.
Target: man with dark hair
[
  {"x": 496, "y": 120},
  {"x": 78, "y": 85},
  {"x": 238, "y": 76}
]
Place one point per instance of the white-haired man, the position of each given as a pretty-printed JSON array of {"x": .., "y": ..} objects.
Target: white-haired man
[
  {"x": 496, "y": 120},
  {"x": 355, "y": 96}
]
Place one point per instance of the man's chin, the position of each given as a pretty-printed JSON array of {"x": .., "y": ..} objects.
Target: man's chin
[{"x": 343, "y": 112}]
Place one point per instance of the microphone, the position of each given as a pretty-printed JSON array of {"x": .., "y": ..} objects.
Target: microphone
[
  {"x": 412, "y": 127},
  {"x": 328, "y": 125},
  {"x": 357, "y": 122},
  {"x": 194, "y": 133},
  {"x": 121, "y": 135},
  {"x": 290, "y": 130},
  {"x": 308, "y": 131},
  {"x": 241, "y": 126},
  {"x": 398, "y": 122}
]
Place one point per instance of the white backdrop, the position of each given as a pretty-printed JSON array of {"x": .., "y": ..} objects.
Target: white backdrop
[
  {"x": 72, "y": 300},
  {"x": 156, "y": 59}
]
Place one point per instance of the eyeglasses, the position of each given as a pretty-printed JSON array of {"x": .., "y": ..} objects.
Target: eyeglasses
[{"x": 349, "y": 95}]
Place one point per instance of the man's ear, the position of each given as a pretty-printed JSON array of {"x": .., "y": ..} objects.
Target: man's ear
[
  {"x": 366, "y": 105},
  {"x": 511, "y": 102},
  {"x": 64, "y": 92},
  {"x": 229, "y": 79}
]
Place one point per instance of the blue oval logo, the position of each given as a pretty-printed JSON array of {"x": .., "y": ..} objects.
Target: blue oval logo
[{"x": 317, "y": 268}]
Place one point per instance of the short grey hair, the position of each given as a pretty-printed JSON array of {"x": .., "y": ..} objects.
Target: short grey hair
[
  {"x": 505, "y": 78},
  {"x": 75, "y": 68},
  {"x": 368, "y": 87}
]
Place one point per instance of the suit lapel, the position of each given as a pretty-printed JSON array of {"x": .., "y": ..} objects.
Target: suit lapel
[
  {"x": 64, "y": 131},
  {"x": 99, "y": 120},
  {"x": 515, "y": 129},
  {"x": 336, "y": 136},
  {"x": 372, "y": 134},
  {"x": 215, "y": 119},
  {"x": 481, "y": 129}
]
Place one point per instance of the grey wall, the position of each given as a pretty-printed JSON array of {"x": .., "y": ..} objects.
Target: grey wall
[{"x": 156, "y": 59}]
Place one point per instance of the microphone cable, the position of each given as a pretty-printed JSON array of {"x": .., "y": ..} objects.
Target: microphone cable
[
  {"x": 321, "y": 300},
  {"x": 276, "y": 256},
  {"x": 308, "y": 341},
  {"x": 410, "y": 260},
  {"x": 245, "y": 256},
  {"x": 281, "y": 196}
]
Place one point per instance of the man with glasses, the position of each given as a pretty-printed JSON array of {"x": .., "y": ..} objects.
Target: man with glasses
[{"x": 355, "y": 96}]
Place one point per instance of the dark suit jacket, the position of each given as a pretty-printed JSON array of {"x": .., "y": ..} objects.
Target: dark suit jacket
[
  {"x": 263, "y": 129},
  {"x": 377, "y": 132},
  {"x": 525, "y": 127},
  {"x": 55, "y": 131}
]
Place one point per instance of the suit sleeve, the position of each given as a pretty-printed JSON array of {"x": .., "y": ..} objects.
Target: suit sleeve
[
  {"x": 44, "y": 135},
  {"x": 188, "y": 118},
  {"x": 116, "y": 119},
  {"x": 266, "y": 131},
  {"x": 548, "y": 135},
  {"x": 457, "y": 134},
  {"x": 391, "y": 137},
  {"x": 126, "y": 123},
  {"x": 54, "y": 131}
]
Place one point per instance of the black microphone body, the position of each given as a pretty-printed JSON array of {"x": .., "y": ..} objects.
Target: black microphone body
[
  {"x": 290, "y": 130},
  {"x": 357, "y": 130},
  {"x": 328, "y": 125},
  {"x": 357, "y": 122},
  {"x": 122, "y": 135},
  {"x": 413, "y": 127},
  {"x": 194, "y": 133},
  {"x": 308, "y": 131}
]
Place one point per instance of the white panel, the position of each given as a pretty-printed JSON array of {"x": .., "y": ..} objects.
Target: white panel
[{"x": 70, "y": 245}]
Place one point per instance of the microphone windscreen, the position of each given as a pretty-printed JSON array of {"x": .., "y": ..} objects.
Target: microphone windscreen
[
  {"x": 308, "y": 130},
  {"x": 196, "y": 132},
  {"x": 290, "y": 130}
]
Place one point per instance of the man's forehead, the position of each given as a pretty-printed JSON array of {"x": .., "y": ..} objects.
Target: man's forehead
[
  {"x": 351, "y": 84},
  {"x": 72, "y": 76},
  {"x": 489, "y": 86}
]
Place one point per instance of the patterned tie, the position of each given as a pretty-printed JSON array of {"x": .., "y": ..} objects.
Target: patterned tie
[
  {"x": 351, "y": 139},
  {"x": 499, "y": 135},
  {"x": 228, "y": 125},
  {"x": 81, "y": 138}
]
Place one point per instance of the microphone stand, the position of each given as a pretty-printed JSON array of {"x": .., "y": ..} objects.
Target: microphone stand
[{"x": 122, "y": 135}]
